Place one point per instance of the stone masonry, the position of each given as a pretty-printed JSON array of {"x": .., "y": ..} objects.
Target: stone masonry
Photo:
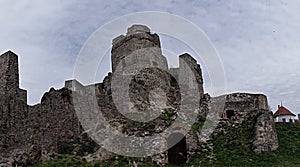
[
  {"x": 239, "y": 107},
  {"x": 39, "y": 133}
]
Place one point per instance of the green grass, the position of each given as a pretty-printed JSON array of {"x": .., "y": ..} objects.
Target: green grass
[
  {"x": 64, "y": 161},
  {"x": 230, "y": 149},
  {"x": 233, "y": 149},
  {"x": 82, "y": 148},
  {"x": 198, "y": 125}
]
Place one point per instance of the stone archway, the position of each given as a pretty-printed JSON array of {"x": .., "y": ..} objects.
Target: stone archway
[{"x": 177, "y": 154}]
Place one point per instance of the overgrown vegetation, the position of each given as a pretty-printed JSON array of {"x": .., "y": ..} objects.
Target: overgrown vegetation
[
  {"x": 76, "y": 147},
  {"x": 233, "y": 149},
  {"x": 230, "y": 149},
  {"x": 199, "y": 124},
  {"x": 64, "y": 161}
]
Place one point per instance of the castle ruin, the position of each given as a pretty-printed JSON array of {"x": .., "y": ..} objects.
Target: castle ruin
[{"x": 33, "y": 133}]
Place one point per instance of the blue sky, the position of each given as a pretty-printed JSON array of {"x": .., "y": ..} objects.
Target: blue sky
[{"x": 258, "y": 40}]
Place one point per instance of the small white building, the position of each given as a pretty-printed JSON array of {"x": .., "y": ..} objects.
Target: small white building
[{"x": 284, "y": 115}]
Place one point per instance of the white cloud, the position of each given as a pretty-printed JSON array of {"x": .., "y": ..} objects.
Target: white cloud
[{"x": 257, "y": 40}]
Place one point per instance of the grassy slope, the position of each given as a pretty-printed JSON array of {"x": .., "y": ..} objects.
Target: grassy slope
[{"x": 231, "y": 149}]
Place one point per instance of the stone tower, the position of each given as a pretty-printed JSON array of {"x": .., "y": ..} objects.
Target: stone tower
[
  {"x": 137, "y": 58},
  {"x": 140, "y": 44},
  {"x": 13, "y": 100},
  {"x": 9, "y": 74}
]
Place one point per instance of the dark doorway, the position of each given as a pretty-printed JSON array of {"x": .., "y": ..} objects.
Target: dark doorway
[
  {"x": 177, "y": 154},
  {"x": 230, "y": 114}
]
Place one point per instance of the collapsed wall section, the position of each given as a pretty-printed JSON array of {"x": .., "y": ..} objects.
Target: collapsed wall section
[{"x": 241, "y": 107}]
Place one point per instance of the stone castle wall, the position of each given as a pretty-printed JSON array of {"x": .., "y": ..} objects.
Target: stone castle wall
[
  {"x": 241, "y": 107},
  {"x": 242, "y": 104},
  {"x": 44, "y": 130}
]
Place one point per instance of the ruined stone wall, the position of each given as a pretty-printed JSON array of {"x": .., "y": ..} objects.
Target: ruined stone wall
[
  {"x": 29, "y": 132},
  {"x": 12, "y": 112},
  {"x": 145, "y": 82},
  {"x": 40, "y": 131},
  {"x": 241, "y": 107},
  {"x": 242, "y": 104},
  {"x": 54, "y": 120},
  {"x": 265, "y": 136},
  {"x": 48, "y": 129}
]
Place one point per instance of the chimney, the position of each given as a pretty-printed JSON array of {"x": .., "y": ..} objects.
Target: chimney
[{"x": 278, "y": 106}]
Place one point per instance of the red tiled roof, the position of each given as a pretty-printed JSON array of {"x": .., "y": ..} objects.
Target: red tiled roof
[{"x": 283, "y": 111}]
